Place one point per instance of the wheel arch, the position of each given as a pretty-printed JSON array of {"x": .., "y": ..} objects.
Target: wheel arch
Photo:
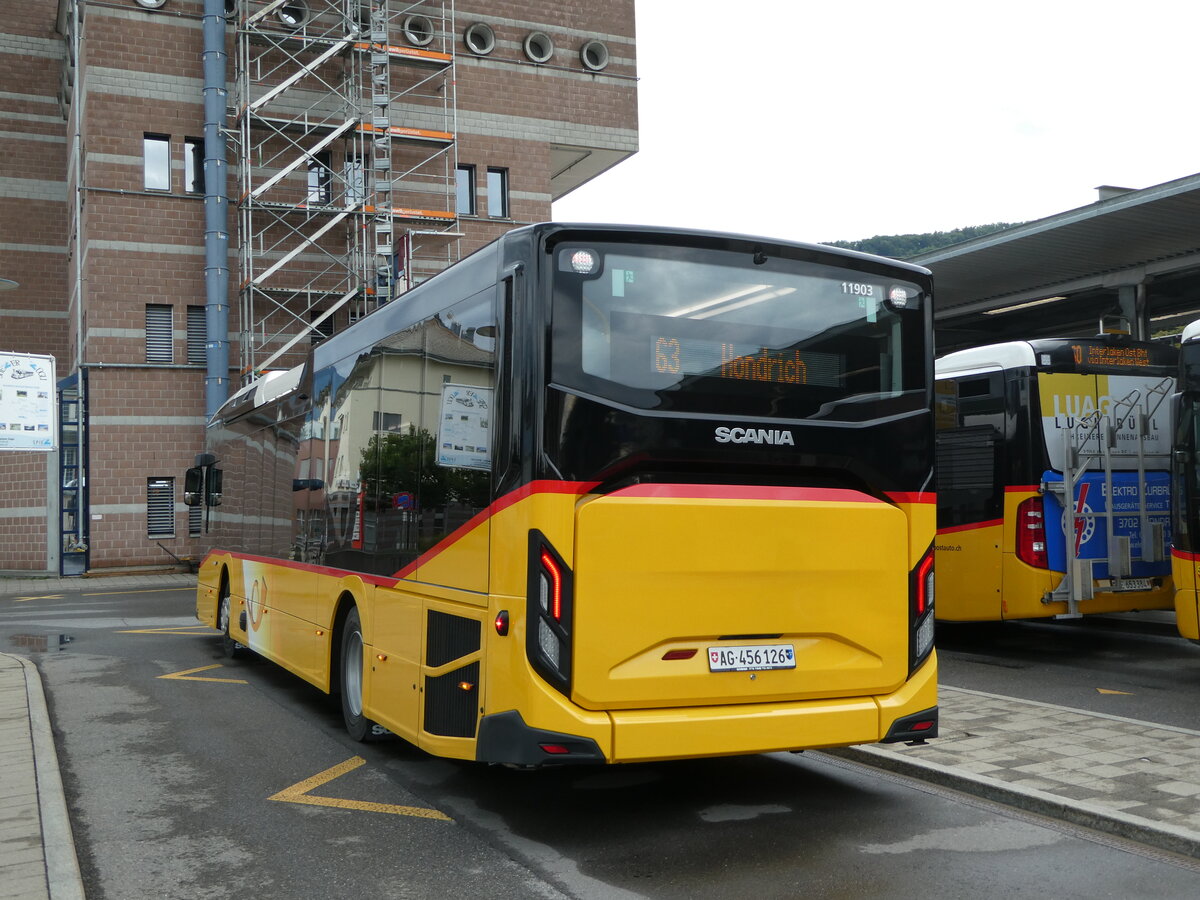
[{"x": 346, "y": 601}]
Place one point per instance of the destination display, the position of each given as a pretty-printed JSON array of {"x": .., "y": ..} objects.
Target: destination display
[
  {"x": 744, "y": 361},
  {"x": 659, "y": 351},
  {"x": 1097, "y": 356}
]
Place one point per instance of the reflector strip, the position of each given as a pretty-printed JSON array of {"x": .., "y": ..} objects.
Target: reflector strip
[{"x": 680, "y": 654}]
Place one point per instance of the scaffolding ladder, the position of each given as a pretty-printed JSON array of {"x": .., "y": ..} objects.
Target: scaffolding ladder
[{"x": 345, "y": 132}]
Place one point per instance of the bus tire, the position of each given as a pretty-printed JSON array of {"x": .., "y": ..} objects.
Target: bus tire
[
  {"x": 231, "y": 648},
  {"x": 358, "y": 726}
]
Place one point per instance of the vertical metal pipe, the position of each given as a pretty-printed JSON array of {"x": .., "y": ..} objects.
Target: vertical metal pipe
[{"x": 216, "y": 211}]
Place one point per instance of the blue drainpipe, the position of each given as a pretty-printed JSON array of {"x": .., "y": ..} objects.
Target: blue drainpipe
[{"x": 216, "y": 212}]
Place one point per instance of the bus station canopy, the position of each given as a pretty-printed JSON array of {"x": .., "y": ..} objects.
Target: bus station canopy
[{"x": 1058, "y": 276}]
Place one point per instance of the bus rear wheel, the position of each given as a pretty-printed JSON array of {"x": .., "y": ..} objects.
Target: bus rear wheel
[{"x": 357, "y": 725}]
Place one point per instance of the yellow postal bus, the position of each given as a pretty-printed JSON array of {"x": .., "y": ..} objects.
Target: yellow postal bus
[
  {"x": 1053, "y": 485},
  {"x": 1185, "y": 551},
  {"x": 596, "y": 494}
]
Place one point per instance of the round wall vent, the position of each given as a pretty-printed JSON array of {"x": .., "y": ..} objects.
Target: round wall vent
[
  {"x": 294, "y": 13},
  {"x": 418, "y": 30},
  {"x": 538, "y": 46},
  {"x": 480, "y": 39},
  {"x": 594, "y": 55},
  {"x": 151, "y": 4}
]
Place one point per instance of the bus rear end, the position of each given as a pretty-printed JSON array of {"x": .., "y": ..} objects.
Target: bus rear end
[
  {"x": 1054, "y": 493},
  {"x": 1103, "y": 490},
  {"x": 721, "y": 540},
  {"x": 1185, "y": 470}
]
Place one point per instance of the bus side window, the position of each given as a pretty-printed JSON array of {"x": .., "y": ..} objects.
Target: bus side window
[{"x": 970, "y": 433}]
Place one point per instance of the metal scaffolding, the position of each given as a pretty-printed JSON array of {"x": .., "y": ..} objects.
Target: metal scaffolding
[{"x": 346, "y": 159}]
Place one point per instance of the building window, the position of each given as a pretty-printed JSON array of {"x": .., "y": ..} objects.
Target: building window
[
  {"x": 160, "y": 347},
  {"x": 160, "y": 507},
  {"x": 386, "y": 421},
  {"x": 193, "y": 165},
  {"x": 464, "y": 185},
  {"x": 156, "y": 162},
  {"x": 322, "y": 330},
  {"x": 196, "y": 335},
  {"x": 497, "y": 188},
  {"x": 320, "y": 178}
]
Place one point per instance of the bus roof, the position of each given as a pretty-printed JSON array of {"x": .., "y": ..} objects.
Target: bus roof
[
  {"x": 1190, "y": 333},
  {"x": 1111, "y": 353},
  {"x": 1011, "y": 355}
]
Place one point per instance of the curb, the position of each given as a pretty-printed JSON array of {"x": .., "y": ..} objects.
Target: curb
[
  {"x": 1161, "y": 835},
  {"x": 62, "y": 865}
]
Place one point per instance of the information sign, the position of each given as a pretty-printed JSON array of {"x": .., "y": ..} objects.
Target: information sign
[
  {"x": 464, "y": 432},
  {"x": 28, "y": 419}
]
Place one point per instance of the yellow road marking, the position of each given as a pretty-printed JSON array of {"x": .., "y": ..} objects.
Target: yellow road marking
[
  {"x": 299, "y": 793},
  {"x": 1107, "y": 691},
  {"x": 143, "y": 591},
  {"x": 187, "y": 675},
  {"x": 173, "y": 629},
  {"x": 43, "y": 597}
]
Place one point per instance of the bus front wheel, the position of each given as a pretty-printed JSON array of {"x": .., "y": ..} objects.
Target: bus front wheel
[
  {"x": 357, "y": 725},
  {"x": 231, "y": 648}
]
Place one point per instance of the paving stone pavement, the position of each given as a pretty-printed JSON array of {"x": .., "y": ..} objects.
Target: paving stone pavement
[
  {"x": 1123, "y": 776},
  {"x": 37, "y": 851}
]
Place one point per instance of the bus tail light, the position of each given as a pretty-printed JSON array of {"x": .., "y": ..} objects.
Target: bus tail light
[
  {"x": 1031, "y": 533},
  {"x": 549, "y": 613},
  {"x": 920, "y": 610}
]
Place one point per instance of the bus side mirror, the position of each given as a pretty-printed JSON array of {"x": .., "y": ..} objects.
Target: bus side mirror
[
  {"x": 213, "y": 487},
  {"x": 193, "y": 484}
]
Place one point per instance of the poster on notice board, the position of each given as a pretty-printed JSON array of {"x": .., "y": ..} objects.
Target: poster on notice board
[
  {"x": 463, "y": 433},
  {"x": 28, "y": 419}
]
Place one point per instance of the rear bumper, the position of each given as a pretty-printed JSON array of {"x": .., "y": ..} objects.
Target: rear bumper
[{"x": 704, "y": 731}]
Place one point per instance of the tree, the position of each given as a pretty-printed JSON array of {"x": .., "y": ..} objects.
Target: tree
[
  {"x": 904, "y": 246},
  {"x": 395, "y": 462}
]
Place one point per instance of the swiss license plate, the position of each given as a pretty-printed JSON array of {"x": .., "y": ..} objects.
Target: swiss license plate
[
  {"x": 751, "y": 658},
  {"x": 1131, "y": 584}
]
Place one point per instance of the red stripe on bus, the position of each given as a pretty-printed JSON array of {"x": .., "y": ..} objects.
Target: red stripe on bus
[
  {"x": 744, "y": 492},
  {"x": 1022, "y": 488},
  {"x": 1187, "y": 555},
  {"x": 509, "y": 499},
  {"x": 912, "y": 496},
  {"x": 308, "y": 567},
  {"x": 971, "y": 526}
]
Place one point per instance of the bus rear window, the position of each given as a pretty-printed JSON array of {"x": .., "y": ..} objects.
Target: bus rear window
[{"x": 691, "y": 330}]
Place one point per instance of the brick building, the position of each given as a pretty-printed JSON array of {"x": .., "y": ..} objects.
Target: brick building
[{"x": 368, "y": 144}]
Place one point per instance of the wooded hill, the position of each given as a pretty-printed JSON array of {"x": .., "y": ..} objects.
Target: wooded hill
[{"x": 903, "y": 246}]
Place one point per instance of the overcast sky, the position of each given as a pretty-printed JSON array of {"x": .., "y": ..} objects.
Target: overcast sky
[{"x": 836, "y": 120}]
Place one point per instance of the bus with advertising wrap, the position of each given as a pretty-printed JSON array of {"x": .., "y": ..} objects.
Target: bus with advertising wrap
[
  {"x": 1185, "y": 469},
  {"x": 597, "y": 494},
  {"x": 1053, "y": 481}
]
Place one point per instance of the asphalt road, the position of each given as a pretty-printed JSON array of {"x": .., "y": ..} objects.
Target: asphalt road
[{"x": 190, "y": 775}]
